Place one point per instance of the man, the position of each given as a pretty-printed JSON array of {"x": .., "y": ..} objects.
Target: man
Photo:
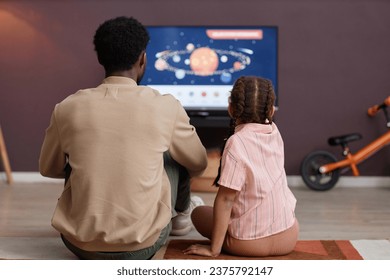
[{"x": 126, "y": 153}]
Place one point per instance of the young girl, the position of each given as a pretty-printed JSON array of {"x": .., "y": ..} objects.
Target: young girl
[{"x": 253, "y": 213}]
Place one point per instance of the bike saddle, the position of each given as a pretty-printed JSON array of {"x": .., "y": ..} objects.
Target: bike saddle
[{"x": 344, "y": 139}]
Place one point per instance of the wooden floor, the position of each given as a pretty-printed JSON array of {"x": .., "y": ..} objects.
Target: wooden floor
[{"x": 342, "y": 213}]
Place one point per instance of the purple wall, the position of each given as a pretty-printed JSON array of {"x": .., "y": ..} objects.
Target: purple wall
[{"x": 334, "y": 63}]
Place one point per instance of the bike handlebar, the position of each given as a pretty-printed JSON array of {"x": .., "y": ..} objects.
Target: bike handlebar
[{"x": 374, "y": 109}]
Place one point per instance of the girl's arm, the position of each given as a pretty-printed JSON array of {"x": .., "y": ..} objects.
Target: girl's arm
[{"x": 222, "y": 210}]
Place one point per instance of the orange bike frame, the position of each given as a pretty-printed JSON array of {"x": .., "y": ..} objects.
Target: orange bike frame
[{"x": 352, "y": 160}]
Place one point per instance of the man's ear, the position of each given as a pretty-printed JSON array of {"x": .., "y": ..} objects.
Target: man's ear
[
  {"x": 141, "y": 65},
  {"x": 142, "y": 60}
]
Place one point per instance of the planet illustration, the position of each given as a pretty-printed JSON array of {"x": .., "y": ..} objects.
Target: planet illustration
[{"x": 203, "y": 61}]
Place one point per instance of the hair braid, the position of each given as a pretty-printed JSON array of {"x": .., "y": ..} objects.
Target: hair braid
[
  {"x": 231, "y": 132},
  {"x": 238, "y": 98},
  {"x": 270, "y": 101}
]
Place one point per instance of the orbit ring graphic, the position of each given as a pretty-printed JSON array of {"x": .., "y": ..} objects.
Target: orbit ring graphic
[{"x": 165, "y": 56}]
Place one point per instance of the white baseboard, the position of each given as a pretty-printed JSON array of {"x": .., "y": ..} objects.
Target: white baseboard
[
  {"x": 347, "y": 181},
  {"x": 29, "y": 177},
  {"x": 293, "y": 180}
]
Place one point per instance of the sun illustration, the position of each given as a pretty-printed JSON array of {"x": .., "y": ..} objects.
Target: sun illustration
[{"x": 204, "y": 61}]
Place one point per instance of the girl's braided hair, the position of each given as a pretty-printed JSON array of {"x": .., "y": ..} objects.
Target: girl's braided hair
[{"x": 251, "y": 101}]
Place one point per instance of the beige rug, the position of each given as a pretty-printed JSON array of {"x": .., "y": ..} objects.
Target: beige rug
[{"x": 52, "y": 248}]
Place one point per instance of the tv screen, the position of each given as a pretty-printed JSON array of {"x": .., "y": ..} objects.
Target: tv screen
[{"x": 199, "y": 64}]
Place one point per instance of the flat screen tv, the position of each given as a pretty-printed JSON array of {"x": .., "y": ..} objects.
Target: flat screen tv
[{"x": 199, "y": 64}]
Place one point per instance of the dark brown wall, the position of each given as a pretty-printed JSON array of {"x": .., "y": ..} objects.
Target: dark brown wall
[{"x": 334, "y": 62}]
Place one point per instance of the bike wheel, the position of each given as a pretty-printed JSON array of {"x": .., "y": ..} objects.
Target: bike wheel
[{"x": 310, "y": 171}]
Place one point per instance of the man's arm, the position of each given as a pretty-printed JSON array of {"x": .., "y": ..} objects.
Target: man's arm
[
  {"x": 52, "y": 159},
  {"x": 186, "y": 147}
]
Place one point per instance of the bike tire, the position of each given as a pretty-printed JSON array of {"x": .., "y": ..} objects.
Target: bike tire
[{"x": 310, "y": 171}]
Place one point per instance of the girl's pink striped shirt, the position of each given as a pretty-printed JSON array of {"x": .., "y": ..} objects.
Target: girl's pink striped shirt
[{"x": 253, "y": 164}]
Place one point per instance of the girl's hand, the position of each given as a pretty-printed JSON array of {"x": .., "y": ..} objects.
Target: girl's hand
[{"x": 201, "y": 250}]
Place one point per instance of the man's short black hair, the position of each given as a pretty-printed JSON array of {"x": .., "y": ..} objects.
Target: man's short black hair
[{"x": 119, "y": 42}]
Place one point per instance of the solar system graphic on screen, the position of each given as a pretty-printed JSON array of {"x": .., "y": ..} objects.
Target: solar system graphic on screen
[{"x": 198, "y": 65}]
